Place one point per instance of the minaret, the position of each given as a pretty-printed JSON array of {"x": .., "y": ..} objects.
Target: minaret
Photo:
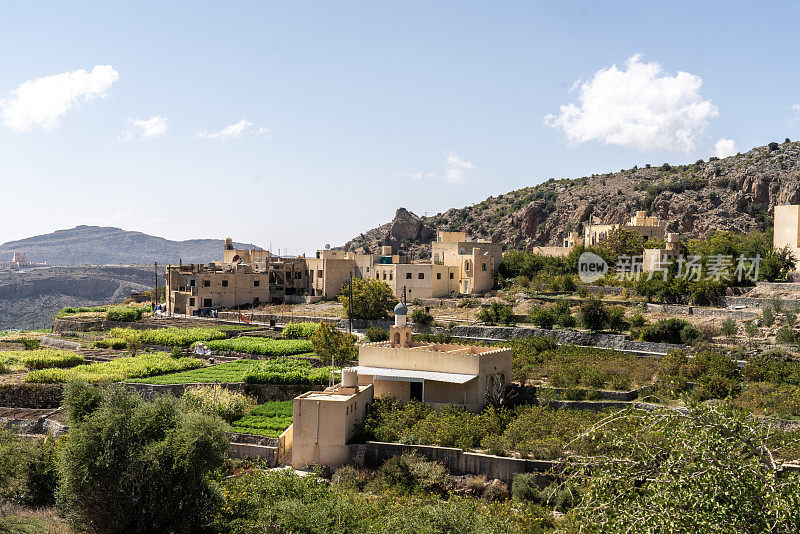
[{"x": 400, "y": 333}]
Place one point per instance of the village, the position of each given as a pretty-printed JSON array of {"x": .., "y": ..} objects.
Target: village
[{"x": 499, "y": 368}]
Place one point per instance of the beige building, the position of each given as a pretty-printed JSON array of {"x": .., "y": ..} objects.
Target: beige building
[
  {"x": 786, "y": 231},
  {"x": 655, "y": 259},
  {"x": 433, "y": 373},
  {"x": 331, "y": 269},
  {"x": 648, "y": 227},
  {"x": 242, "y": 278}
]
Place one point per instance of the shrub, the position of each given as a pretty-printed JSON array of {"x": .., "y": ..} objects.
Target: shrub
[
  {"x": 525, "y": 488},
  {"x": 594, "y": 315},
  {"x": 80, "y": 400},
  {"x": 541, "y": 317},
  {"x": 125, "y": 313},
  {"x": 785, "y": 335},
  {"x": 767, "y": 316},
  {"x": 621, "y": 381},
  {"x": 421, "y": 317},
  {"x": 141, "y": 466},
  {"x": 375, "y": 334},
  {"x": 410, "y": 473},
  {"x": 496, "y": 490},
  {"x": 728, "y": 327},
  {"x": 300, "y": 330},
  {"x": 637, "y": 320},
  {"x": 675, "y": 331},
  {"x": 616, "y": 318},
  {"x": 497, "y": 313},
  {"x": 216, "y": 400}
]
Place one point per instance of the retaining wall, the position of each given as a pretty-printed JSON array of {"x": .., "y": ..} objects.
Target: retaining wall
[
  {"x": 459, "y": 462},
  {"x": 31, "y": 395}
]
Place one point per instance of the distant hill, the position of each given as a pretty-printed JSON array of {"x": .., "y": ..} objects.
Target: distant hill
[
  {"x": 736, "y": 193},
  {"x": 97, "y": 245}
]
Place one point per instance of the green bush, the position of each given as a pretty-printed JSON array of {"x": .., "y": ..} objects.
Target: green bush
[
  {"x": 637, "y": 320},
  {"x": 410, "y": 473},
  {"x": 497, "y": 313},
  {"x": 673, "y": 330},
  {"x": 141, "y": 466},
  {"x": 300, "y": 330},
  {"x": 616, "y": 318},
  {"x": 125, "y": 313},
  {"x": 376, "y": 333},
  {"x": 525, "y": 488},
  {"x": 594, "y": 315},
  {"x": 421, "y": 317},
  {"x": 541, "y": 317},
  {"x": 767, "y": 316}
]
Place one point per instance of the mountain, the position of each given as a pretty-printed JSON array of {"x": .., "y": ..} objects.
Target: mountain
[
  {"x": 735, "y": 193},
  {"x": 97, "y": 245}
]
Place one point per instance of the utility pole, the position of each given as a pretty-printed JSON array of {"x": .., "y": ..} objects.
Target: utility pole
[
  {"x": 155, "y": 289},
  {"x": 404, "y": 294}
]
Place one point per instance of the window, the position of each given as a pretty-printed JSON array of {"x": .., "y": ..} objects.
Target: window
[
  {"x": 206, "y": 303},
  {"x": 451, "y": 276},
  {"x": 224, "y": 283},
  {"x": 311, "y": 275},
  {"x": 384, "y": 275},
  {"x": 298, "y": 275},
  {"x": 483, "y": 266},
  {"x": 319, "y": 273},
  {"x": 438, "y": 276},
  {"x": 206, "y": 283},
  {"x": 408, "y": 276},
  {"x": 377, "y": 276},
  {"x": 191, "y": 302},
  {"x": 256, "y": 283},
  {"x": 191, "y": 283},
  {"x": 466, "y": 265},
  {"x": 391, "y": 275},
  {"x": 367, "y": 270},
  {"x": 421, "y": 276}
]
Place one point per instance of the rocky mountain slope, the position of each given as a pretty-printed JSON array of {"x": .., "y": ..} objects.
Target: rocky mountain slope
[
  {"x": 735, "y": 193},
  {"x": 96, "y": 245}
]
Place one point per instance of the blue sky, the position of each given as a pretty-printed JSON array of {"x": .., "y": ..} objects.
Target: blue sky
[{"x": 338, "y": 113}]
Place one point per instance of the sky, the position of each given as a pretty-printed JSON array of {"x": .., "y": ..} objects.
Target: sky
[{"x": 296, "y": 124}]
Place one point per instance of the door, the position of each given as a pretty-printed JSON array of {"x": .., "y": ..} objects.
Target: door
[{"x": 416, "y": 391}]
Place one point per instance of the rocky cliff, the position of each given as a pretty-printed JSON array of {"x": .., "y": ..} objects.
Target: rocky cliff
[{"x": 735, "y": 193}]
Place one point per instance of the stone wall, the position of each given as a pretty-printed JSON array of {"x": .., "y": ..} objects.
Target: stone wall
[
  {"x": 31, "y": 395},
  {"x": 459, "y": 462}
]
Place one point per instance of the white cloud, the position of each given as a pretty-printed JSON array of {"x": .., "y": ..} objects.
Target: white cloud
[
  {"x": 725, "y": 148},
  {"x": 44, "y": 101},
  {"x": 155, "y": 126},
  {"x": 795, "y": 118},
  {"x": 234, "y": 131},
  {"x": 638, "y": 106},
  {"x": 454, "y": 171}
]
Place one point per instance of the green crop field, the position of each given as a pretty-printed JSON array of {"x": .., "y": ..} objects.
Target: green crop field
[
  {"x": 269, "y": 419},
  {"x": 262, "y": 346},
  {"x": 280, "y": 371},
  {"x": 171, "y": 337},
  {"x": 116, "y": 370},
  {"x": 14, "y": 361},
  {"x": 225, "y": 372}
]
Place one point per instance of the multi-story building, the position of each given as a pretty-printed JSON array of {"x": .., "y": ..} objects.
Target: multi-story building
[
  {"x": 786, "y": 231},
  {"x": 648, "y": 227}
]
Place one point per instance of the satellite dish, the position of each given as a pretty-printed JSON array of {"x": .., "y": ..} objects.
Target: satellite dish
[{"x": 327, "y": 246}]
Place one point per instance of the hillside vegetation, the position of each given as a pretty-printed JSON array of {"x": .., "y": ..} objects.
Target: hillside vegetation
[{"x": 735, "y": 193}]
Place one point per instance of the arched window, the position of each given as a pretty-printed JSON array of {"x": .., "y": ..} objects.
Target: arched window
[
  {"x": 408, "y": 338},
  {"x": 391, "y": 275},
  {"x": 397, "y": 338},
  {"x": 466, "y": 265},
  {"x": 490, "y": 382}
]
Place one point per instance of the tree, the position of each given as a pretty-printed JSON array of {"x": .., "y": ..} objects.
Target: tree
[
  {"x": 776, "y": 264},
  {"x": 331, "y": 344},
  {"x": 497, "y": 313},
  {"x": 141, "y": 466},
  {"x": 133, "y": 340},
  {"x": 751, "y": 329},
  {"x": 594, "y": 314},
  {"x": 421, "y": 317},
  {"x": 707, "y": 469},
  {"x": 623, "y": 242},
  {"x": 372, "y": 299}
]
